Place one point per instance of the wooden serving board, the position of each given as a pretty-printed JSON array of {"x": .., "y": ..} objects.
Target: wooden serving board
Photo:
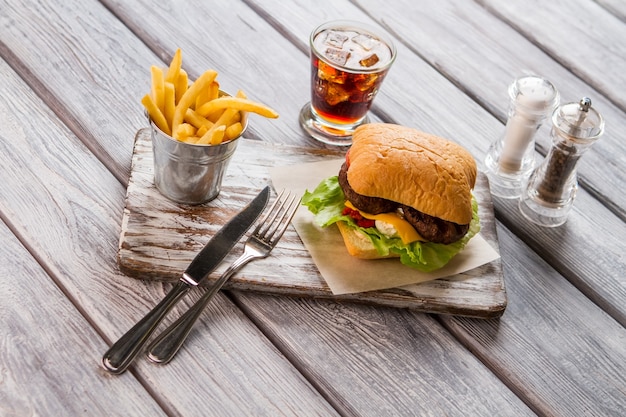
[{"x": 159, "y": 239}]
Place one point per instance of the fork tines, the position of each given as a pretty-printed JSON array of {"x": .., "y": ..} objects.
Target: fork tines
[{"x": 271, "y": 227}]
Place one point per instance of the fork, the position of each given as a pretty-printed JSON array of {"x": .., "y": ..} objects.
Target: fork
[{"x": 263, "y": 239}]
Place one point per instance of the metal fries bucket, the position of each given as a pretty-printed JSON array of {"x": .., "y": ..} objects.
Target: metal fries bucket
[{"x": 189, "y": 173}]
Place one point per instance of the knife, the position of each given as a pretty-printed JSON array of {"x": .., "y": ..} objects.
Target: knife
[{"x": 124, "y": 351}]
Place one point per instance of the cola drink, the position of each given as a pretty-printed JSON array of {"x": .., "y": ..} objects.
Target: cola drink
[{"x": 348, "y": 64}]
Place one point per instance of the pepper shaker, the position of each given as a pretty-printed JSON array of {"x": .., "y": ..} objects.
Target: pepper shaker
[
  {"x": 551, "y": 189},
  {"x": 511, "y": 158}
]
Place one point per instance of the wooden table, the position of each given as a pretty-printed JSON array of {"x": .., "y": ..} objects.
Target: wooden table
[{"x": 73, "y": 74}]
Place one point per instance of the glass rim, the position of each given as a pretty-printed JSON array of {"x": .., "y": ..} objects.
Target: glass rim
[{"x": 378, "y": 33}]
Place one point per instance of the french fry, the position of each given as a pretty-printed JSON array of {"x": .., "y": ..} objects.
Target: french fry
[
  {"x": 213, "y": 136},
  {"x": 238, "y": 103},
  {"x": 201, "y": 131},
  {"x": 228, "y": 117},
  {"x": 210, "y": 137},
  {"x": 196, "y": 120},
  {"x": 214, "y": 90},
  {"x": 169, "y": 100},
  {"x": 190, "y": 96},
  {"x": 182, "y": 83},
  {"x": 218, "y": 135},
  {"x": 207, "y": 137},
  {"x": 236, "y": 118},
  {"x": 158, "y": 88},
  {"x": 214, "y": 117},
  {"x": 202, "y": 98},
  {"x": 155, "y": 114},
  {"x": 209, "y": 94},
  {"x": 185, "y": 130},
  {"x": 196, "y": 113},
  {"x": 174, "y": 69},
  {"x": 233, "y": 131}
]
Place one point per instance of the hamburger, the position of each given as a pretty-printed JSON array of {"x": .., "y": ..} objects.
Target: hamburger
[{"x": 400, "y": 193}]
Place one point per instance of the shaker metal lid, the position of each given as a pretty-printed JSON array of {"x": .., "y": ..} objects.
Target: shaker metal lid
[
  {"x": 579, "y": 120},
  {"x": 535, "y": 94}
]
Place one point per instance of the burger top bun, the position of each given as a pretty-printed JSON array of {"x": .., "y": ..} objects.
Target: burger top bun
[{"x": 423, "y": 171}]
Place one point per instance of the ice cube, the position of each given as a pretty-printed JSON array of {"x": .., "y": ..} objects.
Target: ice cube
[
  {"x": 336, "y": 39},
  {"x": 369, "y": 61},
  {"x": 335, "y": 94},
  {"x": 328, "y": 73},
  {"x": 337, "y": 56},
  {"x": 364, "y": 82},
  {"x": 365, "y": 41}
]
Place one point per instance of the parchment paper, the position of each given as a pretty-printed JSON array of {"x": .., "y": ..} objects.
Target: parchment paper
[{"x": 344, "y": 273}]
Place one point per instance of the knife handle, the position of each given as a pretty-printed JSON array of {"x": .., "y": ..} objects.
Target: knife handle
[
  {"x": 124, "y": 351},
  {"x": 165, "y": 346}
]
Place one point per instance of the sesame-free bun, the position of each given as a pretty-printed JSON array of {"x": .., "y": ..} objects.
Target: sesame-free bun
[{"x": 431, "y": 174}]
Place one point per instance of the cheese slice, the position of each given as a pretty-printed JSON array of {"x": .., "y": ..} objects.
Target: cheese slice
[{"x": 406, "y": 232}]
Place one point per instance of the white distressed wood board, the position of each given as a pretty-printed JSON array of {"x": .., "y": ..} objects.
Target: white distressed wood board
[{"x": 159, "y": 238}]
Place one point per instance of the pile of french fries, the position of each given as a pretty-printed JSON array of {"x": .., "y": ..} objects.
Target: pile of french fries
[{"x": 196, "y": 113}]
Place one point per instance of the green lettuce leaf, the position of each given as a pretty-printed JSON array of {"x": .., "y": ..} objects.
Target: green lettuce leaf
[{"x": 326, "y": 202}]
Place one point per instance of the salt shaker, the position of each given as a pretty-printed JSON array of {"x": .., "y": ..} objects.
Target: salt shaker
[
  {"x": 511, "y": 158},
  {"x": 551, "y": 189}
]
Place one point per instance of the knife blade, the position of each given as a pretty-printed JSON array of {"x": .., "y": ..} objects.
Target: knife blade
[
  {"x": 212, "y": 254},
  {"x": 117, "y": 359}
]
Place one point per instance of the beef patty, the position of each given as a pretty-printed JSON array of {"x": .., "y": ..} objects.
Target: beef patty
[
  {"x": 431, "y": 228},
  {"x": 372, "y": 205},
  {"x": 434, "y": 229}
]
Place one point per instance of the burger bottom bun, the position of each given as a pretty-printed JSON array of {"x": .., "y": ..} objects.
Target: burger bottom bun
[{"x": 358, "y": 244}]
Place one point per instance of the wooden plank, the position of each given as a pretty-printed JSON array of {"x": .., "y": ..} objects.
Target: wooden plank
[
  {"x": 598, "y": 56},
  {"x": 483, "y": 55},
  {"x": 159, "y": 239},
  {"x": 229, "y": 358},
  {"x": 569, "y": 250},
  {"x": 616, "y": 7},
  {"x": 556, "y": 350},
  {"x": 572, "y": 254},
  {"x": 463, "y": 23},
  {"x": 48, "y": 347},
  {"x": 597, "y": 273},
  {"x": 215, "y": 349},
  {"x": 379, "y": 361},
  {"x": 245, "y": 50},
  {"x": 402, "y": 108},
  {"x": 580, "y": 370},
  {"x": 69, "y": 215},
  {"x": 62, "y": 54},
  {"x": 482, "y": 125}
]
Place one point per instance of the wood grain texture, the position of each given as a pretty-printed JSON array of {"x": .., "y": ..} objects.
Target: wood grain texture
[
  {"x": 576, "y": 367},
  {"x": 69, "y": 216},
  {"x": 594, "y": 30},
  {"x": 66, "y": 70},
  {"x": 381, "y": 361},
  {"x": 483, "y": 55},
  {"x": 290, "y": 356},
  {"x": 234, "y": 40},
  {"x": 46, "y": 346},
  {"x": 616, "y": 7},
  {"x": 160, "y": 238}
]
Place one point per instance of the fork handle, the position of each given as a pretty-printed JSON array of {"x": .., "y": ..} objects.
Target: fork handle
[
  {"x": 124, "y": 351},
  {"x": 166, "y": 345}
]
